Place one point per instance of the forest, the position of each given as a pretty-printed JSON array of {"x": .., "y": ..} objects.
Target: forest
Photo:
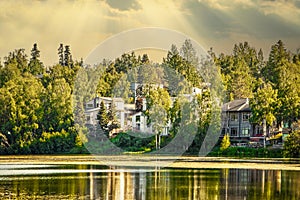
[{"x": 37, "y": 102}]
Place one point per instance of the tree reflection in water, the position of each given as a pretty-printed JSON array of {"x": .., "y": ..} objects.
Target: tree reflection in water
[{"x": 99, "y": 182}]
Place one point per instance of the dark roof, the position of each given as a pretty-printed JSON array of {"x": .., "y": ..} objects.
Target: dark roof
[{"x": 239, "y": 105}]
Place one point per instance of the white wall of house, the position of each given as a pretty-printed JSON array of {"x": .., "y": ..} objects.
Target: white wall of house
[
  {"x": 93, "y": 107},
  {"x": 139, "y": 123}
]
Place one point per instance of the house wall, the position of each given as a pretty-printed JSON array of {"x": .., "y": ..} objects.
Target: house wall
[
  {"x": 237, "y": 124},
  {"x": 93, "y": 107}
]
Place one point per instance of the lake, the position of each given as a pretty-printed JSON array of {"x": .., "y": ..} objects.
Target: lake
[{"x": 72, "y": 180}]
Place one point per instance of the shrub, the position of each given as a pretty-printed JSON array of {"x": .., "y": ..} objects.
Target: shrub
[
  {"x": 225, "y": 142},
  {"x": 292, "y": 145}
]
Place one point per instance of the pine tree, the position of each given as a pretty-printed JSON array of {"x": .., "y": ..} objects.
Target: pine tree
[
  {"x": 145, "y": 59},
  {"x": 36, "y": 67},
  {"x": 61, "y": 54},
  {"x": 103, "y": 118},
  {"x": 68, "y": 61},
  {"x": 112, "y": 117},
  {"x": 17, "y": 58}
]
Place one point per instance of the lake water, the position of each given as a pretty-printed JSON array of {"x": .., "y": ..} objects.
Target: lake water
[{"x": 55, "y": 181}]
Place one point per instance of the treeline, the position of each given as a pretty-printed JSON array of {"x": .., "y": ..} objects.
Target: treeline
[
  {"x": 272, "y": 83},
  {"x": 36, "y": 114},
  {"x": 178, "y": 73}
]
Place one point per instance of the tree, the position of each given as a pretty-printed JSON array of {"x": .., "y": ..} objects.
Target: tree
[
  {"x": 185, "y": 63},
  {"x": 292, "y": 145},
  {"x": 103, "y": 118},
  {"x": 284, "y": 77},
  {"x": 188, "y": 52},
  {"x": 9, "y": 72},
  {"x": 175, "y": 116},
  {"x": 61, "y": 54},
  {"x": 68, "y": 61},
  {"x": 57, "y": 106},
  {"x": 112, "y": 117},
  {"x": 263, "y": 105},
  {"x": 158, "y": 96},
  {"x": 17, "y": 58},
  {"x": 35, "y": 66},
  {"x": 225, "y": 142},
  {"x": 145, "y": 59},
  {"x": 241, "y": 82},
  {"x": 122, "y": 89},
  {"x": 61, "y": 72},
  {"x": 22, "y": 109},
  {"x": 277, "y": 57},
  {"x": 239, "y": 71}
]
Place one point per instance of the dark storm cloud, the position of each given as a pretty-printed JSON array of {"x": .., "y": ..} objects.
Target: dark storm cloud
[
  {"x": 209, "y": 22},
  {"x": 124, "y": 4},
  {"x": 219, "y": 22},
  {"x": 264, "y": 26}
]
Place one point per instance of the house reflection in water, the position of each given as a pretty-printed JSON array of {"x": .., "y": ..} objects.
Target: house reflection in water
[
  {"x": 193, "y": 184},
  {"x": 109, "y": 183}
]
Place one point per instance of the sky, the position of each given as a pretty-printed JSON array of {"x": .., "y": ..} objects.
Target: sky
[{"x": 85, "y": 24}]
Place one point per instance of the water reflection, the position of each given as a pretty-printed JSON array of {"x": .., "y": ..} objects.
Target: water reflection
[{"x": 99, "y": 182}]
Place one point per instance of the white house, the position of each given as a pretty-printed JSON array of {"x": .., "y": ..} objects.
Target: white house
[
  {"x": 92, "y": 108},
  {"x": 128, "y": 115}
]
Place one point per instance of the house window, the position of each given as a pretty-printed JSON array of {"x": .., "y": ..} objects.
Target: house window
[
  {"x": 90, "y": 105},
  {"x": 245, "y": 131},
  {"x": 234, "y": 117},
  {"x": 223, "y": 131},
  {"x": 88, "y": 118},
  {"x": 246, "y": 116},
  {"x": 138, "y": 118},
  {"x": 234, "y": 131}
]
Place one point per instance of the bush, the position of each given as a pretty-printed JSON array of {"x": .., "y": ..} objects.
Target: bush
[
  {"x": 244, "y": 152},
  {"x": 55, "y": 142},
  {"x": 225, "y": 142},
  {"x": 131, "y": 143},
  {"x": 292, "y": 145}
]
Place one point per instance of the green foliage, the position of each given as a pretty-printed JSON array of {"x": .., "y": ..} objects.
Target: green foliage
[
  {"x": 284, "y": 74},
  {"x": 54, "y": 142},
  {"x": 35, "y": 66},
  {"x": 114, "y": 72},
  {"x": 242, "y": 152},
  {"x": 185, "y": 63},
  {"x": 17, "y": 58},
  {"x": 263, "y": 105},
  {"x": 57, "y": 100},
  {"x": 240, "y": 70},
  {"x": 130, "y": 143},
  {"x": 225, "y": 142},
  {"x": 292, "y": 145},
  {"x": 22, "y": 103},
  {"x": 103, "y": 118},
  {"x": 36, "y": 111}
]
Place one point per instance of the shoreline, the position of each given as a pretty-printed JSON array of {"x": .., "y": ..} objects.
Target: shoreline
[{"x": 153, "y": 161}]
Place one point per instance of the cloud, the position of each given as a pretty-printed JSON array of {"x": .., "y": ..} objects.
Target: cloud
[
  {"x": 125, "y": 5},
  {"x": 81, "y": 24},
  {"x": 85, "y": 24}
]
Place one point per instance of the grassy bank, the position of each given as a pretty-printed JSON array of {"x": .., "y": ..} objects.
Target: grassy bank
[{"x": 240, "y": 152}]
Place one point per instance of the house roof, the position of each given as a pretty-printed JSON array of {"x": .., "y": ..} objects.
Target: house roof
[{"x": 238, "y": 105}]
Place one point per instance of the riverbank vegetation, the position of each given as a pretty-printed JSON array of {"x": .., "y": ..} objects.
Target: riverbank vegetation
[{"x": 37, "y": 104}]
